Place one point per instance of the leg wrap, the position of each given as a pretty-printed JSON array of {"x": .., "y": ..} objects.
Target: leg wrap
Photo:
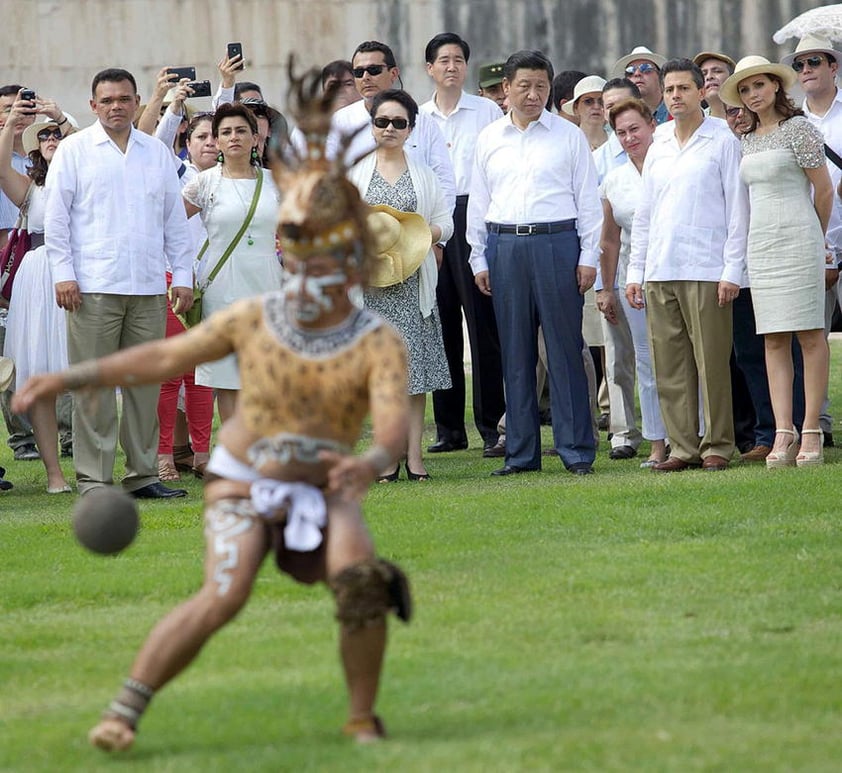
[
  {"x": 365, "y": 592},
  {"x": 130, "y": 703}
]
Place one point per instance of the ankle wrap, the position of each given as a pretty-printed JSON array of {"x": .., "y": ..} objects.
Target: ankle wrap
[{"x": 130, "y": 702}]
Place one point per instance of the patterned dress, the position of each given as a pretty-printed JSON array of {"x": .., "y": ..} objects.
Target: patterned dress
[
  {"x": 400, "y": 303},
  {"x": 785, "y": 241}
]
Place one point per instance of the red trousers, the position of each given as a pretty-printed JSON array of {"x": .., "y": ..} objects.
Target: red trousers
[{"x": 198, "y": 403}]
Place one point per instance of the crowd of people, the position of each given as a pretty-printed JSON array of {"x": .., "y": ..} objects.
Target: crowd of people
[{"x": 675, "y": 224}]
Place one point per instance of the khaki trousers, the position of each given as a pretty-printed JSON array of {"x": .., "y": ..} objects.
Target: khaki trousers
[
  {"x": 105, "y": 324},
  {"x": 690, "y": 340}
]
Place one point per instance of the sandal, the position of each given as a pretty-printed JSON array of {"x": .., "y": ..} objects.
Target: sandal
[
  {"x": 167, "y": 471},
  {"x": 199, "y": 469},
  {"x": 785, "y": 458},
  {"x": 811, "y": 458}
]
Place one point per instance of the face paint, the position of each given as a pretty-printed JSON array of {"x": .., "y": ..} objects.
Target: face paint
[{"x": 305, "y": 294}]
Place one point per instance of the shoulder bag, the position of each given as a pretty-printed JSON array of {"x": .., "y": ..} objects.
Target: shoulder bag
[{"x": 18, "y": 244}]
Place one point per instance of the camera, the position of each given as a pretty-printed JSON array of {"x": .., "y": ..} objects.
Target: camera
[
  {"x": 200, "y": 88},
  {"x": 178, "y": 73},
  {"x": 236, "y": 49}
]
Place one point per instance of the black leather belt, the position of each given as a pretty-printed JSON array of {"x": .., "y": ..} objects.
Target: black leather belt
[{"x": 528, "y": 229}]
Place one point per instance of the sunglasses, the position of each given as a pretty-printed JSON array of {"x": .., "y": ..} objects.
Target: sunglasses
[
  {"x": 45, "y": 134},
  {"x": 372, "y": 69},
  {"x": 731, "y": 112},
  {"x": 643, "y": 68},
  {"x": 813, "y": 61},
  {"x": 381, "y": 122}
]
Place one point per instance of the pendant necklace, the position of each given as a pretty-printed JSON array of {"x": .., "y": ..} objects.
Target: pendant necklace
[{"x": 246, "y": 207}]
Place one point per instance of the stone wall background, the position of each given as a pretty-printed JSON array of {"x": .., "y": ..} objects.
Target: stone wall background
[{"x": 56, "y": 46}]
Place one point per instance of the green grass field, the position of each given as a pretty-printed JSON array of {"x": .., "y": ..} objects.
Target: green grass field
[{"x": 624, "y": 621}]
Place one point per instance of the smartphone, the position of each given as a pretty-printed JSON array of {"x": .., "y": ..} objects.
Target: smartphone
[
  {"x": 177, "y": 73},
  {"x": 236, "y": 49},
  {"x": 200, "y": 89},
  {"x": 28, "y": 95}
]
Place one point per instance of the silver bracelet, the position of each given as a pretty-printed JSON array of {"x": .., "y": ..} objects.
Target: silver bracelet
[{"x": 81, "y": 375}]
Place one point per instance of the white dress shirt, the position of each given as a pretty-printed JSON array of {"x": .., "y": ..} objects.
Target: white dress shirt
[
  {"x": 425, "y": 144},
  {"x": 542, "y": 174},
  {"x": 461, "y": 129},
  {"x": 691, "y": 223},
  {"x": 112, "y": 218},
  {"x": 830, "y": 125}
]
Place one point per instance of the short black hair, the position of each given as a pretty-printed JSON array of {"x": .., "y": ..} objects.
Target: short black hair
[
  {"x": 527, "y": 60},
  {"x": 7, "y": 91},
  {"x": 399, "y": 96},
  {"x": 233, "y": 110},
  {"x": 336, "y": 69},
  {"x": 622, "y": 83},
  {"x": 683, "y": 65},
  {"x": 445, "y": 39},
  {"x": 370, "y": 46},
  {"x": 112, "y": 75},
  {"x": 242, "y": 86},
  {"x": 563, "y": 85}
]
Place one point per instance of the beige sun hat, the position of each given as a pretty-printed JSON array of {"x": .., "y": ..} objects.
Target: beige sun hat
[
  {"x": 402, "y": 241},
  {"x": 703, "y": 56},
  {"x": 754, "y": 65},
  {"x": 588, "y": 85},
  {"x": 639, "y": 52},
  {"x": 810, "y": 44},
  {"x": 30, "y": 134}
]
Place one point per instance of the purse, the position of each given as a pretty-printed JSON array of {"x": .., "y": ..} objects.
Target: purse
[
  {"x": 193, "y": 316},
  {"x": 18, "y": 244}
]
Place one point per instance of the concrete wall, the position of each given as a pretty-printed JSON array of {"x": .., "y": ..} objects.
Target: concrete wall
[{"x": 55, "y": 46}]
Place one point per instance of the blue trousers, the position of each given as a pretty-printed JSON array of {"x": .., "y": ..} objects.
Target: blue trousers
[{"x": 533, "y": 281}]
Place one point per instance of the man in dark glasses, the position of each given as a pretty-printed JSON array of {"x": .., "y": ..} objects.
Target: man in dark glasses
[
  {"x": 817, "y": 63},
  {"x": 374, "y": 69},
  {"x": 643, "y": 68}
]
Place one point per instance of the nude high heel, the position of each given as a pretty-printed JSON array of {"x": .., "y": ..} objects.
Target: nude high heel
[
  {"x": 785, "y": 458},
  {"x": 810, "y": 458}
]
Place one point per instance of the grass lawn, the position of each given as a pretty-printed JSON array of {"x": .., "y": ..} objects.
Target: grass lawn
[{"x": 623, "y": 621}]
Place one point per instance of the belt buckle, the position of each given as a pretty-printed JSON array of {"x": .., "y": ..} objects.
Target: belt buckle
[{"x": 524, "y": 230}]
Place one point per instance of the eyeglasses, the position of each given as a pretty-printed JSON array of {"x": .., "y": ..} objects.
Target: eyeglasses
[
  {"x": 814, "y": 61},
  {"x": 45, "y": 134},
  {"x": 381, "y": 122},
  {"x": 642, "y": 68},
  {"x": 372, "y": 69}
]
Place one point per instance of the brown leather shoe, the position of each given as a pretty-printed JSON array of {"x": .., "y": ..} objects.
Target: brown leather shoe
[
  {"x": 673, "y": 464},
  {"x": 757, "y": 454},
  {"x": 714, "y": 462}
]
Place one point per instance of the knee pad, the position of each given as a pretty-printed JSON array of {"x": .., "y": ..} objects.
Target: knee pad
[{"x": 365, "y": 592}]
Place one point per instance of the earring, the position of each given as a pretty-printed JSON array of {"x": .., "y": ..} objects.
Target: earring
[
  {"x": 220, "y": 159},
  {"x": 254, "y": 156}
]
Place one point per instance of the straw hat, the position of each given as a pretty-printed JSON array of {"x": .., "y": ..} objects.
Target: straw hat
[
  {"x": 754, "y": 65},
  {"x": 638, "y": 53},
  {"x": 402, "y": 241},
  {"x": 813, "y": 44},
  {"x": 589, "y": 85},
  {"x": 703, "y": 56},
  {"x": 30, "y": 134}
]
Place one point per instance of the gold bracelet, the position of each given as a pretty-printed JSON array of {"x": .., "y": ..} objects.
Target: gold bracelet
[{"x": 81, "y": 375}]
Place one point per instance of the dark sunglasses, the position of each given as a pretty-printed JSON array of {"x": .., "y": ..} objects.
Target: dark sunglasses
[
  {"x": 381, "y": 122},
  {"x": 45, "y": 134},
  {"x": 813, "y": 61},
  {"x": 372, "y": 69},
  {"x": 643, "y": 68}
]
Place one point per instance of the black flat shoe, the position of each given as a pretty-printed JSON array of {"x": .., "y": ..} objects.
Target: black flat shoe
[
  {"x": 443, "y": 446},
  {"x": 581, "y": 468},
  {"x": 391, "y": 477},
  {"x": 5, "y": 485},
  {"x": 510, "y": 469},
  {"x": 158, "y": 490},
  {"x": 415, "y": 475},
  {"x": 622, "y": 452}
]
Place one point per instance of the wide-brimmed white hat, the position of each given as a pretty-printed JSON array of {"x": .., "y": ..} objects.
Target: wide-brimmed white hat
[
  {"x": 30, "y": 134},
  {"x": 637, "y": 53},
  {"x": 810, "y": 44},
  {"x": 402, "y": 241},
  {"x": 588, "y": 85},
  {"x": 729, "y": 91}
]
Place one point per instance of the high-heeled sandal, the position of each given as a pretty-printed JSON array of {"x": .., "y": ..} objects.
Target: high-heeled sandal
[
  {"x": 416, "y": 475},
  {"x": 811, "y": 458},
  {"x": 167, "y": 470},
  {"x": 392, "y": 477},
  {"x": 785, "y": 458}
]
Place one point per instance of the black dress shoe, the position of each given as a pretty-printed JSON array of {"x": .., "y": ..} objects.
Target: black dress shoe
[
  {"x": 442, "y": 446},
  {"x": 622, "y": 452},
  {"x": 158, "y": 490},
  {"x": 581, "y": 468},
  {"x": 5, "y": 485},
  {"x": 510, "y": 469},
  {"x": 495, "y": 450}
]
